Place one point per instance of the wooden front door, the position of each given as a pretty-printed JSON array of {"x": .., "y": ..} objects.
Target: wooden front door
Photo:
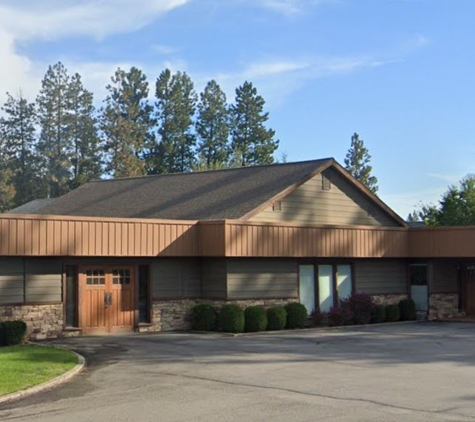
[
  {"x": 469, "y": 299},
  {"x": 106, "y": 299}
]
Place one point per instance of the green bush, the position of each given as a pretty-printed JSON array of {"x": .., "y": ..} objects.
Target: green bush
[
  {"x": 297, "y": 315},
  {"x": 255, "y": 319},
  {"x": 379, "y": 314},
  {"x": 407, "y": 309},
  {"x": 276, "y": 318},
  {"x": 231, "y": 319},
  {"x": 203, "y": 318},
  {"x": 361, "y": 306},
  {"x": 392, "y": 313},
  {"x": 12, "y": 332}
]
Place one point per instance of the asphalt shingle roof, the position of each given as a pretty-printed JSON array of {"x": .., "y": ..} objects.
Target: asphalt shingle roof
[{"x": 208, "y": 195}]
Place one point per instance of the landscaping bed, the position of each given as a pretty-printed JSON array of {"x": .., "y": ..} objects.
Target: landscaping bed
[{"x": 24, "y": 366}]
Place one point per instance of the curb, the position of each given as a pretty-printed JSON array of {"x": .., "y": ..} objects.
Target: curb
[{"x": 48, "y": 385}]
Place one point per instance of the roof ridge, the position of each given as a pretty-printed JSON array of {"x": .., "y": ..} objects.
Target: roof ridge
[{"x": 210, "y": 171}]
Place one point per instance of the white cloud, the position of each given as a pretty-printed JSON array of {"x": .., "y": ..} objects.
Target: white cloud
[
  {"x": 164, "y": 50},
  {"x": 291, "y": 7}
]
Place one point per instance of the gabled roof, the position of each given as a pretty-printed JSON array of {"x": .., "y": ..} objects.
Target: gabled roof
[
  {"x": 32, "y": 207},
  {"x": 208, "y": 195}
]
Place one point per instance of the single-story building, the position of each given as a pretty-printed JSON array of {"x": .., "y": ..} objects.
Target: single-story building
[{"x": 135, "y": 254}]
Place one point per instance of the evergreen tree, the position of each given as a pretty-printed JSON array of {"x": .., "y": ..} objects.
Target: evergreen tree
[
  {"x": 87, "y": 153},
  {"x": 54, "y": 143},
  {"x": 18, "y": 130},
  {"x": 357, "y": 163},
  {"x": 126, "y": 123},
  {"x": 175, "y": 108},
  {"x": 212, "y": 126},
  {"x": 7, "y": 187},
  {"x": 251, "y": 140}
]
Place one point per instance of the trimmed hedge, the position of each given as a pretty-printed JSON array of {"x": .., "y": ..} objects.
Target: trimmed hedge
[
  {"x": 255, "y": 319},
  {"x": 392, "y": 313},
  {"x": 379, "y": 314},
  {"x": 204, "y": 318},
  {"x": 276, "y": 318},
  {"x": 361, "y": 306},
  {"x": 231, "y": 319},
  {"x": 407, "y": 309},
  {"x": 12, "y": 332},
  {"x": 340, "y": 316},
  {"x": 297, "y": 315}
]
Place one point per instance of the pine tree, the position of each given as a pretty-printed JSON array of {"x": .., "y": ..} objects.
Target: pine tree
[
  {"x": 357, "y": 163},
  {"x": 18, "y": 129},
  {"x": 7, "y": 187},
  {"x": 126, "y": 123},
  {"x": 54, "y": 143},
  {"x": 212, "y": 126},
  {"x": 87, "y": 151},
  {"x": 251, "y": 140},
  {"x": 175, "y": 108}
]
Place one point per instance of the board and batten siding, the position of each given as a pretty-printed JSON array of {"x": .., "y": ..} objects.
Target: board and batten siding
[
  {"x": 262, "y": 278},
  {"x": 342, "y": 204},
  {"x": 214, "y": 278},
  {"x": 175, "y": 278},
  {"x": 444, "y": 277},
  {"x": 43, "y": 280},
  {"x": 379, "y": 277},
  {"x": 12, "y": 275}
]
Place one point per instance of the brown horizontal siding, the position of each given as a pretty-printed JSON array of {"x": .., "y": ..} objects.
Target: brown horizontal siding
[
  {"x": 254, "y": 239},
  {"x": 71, "y": 236}
]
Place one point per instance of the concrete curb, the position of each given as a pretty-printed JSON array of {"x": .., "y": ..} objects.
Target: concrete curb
[{"x": 48, "y": 385}]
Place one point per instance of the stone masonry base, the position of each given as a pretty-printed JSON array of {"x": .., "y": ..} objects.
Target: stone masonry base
[
  {"x": 444, "y": 306},
  {"x": 43, "y": 321},
  {"x": 388, "y": 299}
]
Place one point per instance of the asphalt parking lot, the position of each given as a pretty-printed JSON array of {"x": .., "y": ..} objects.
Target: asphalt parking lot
[{"x": 416, "y": 372}]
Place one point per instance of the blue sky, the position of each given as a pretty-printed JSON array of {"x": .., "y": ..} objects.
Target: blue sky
[{"x": 398, "y": 72}]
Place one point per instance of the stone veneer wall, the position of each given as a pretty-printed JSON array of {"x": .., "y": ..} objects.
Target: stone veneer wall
[
  {"x": 43, "y": 321},
  {"x": 444, "y": 305},
  {"x": 171, "y": 315},
  {"x": 388, "y": 299}
]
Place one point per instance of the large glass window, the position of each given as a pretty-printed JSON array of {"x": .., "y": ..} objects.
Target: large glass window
[
  {"x": 307, "y": 287},
  {"x": 325, "y": 287},
  {"x": 419, "y": 290},
  {"x": 344, "y": 281}
]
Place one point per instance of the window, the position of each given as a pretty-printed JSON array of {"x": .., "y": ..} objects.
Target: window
[
  {"x": 71, "y": 296},
  {"x": 144, "y": 294},
  {"x": 96, "y": 277},
  {"x": 326, "y": 184},
  {"x": 277, "y": 206},
  {"x": 121, "y": 277},
  {"x": 419, "y": 291}
]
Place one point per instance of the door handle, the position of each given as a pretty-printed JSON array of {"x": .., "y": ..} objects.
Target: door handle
[
  {"x": 107, "y": 299},
  {"x": 110, "y": 299}
]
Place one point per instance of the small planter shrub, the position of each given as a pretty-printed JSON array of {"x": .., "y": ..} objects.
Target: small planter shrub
[
  {"x": 231, "y": 319},
  {"x": 340, "y": 316},
  {"x": 12, "y": 332},
  {"x": 255, "y": 319},
  {"x": 361, "y": 306},
  {"x": 379, "y": 314},
  {"x": 319, "y": 319},
  {"x": 392, "y": 313},
  {"x": 276, "y": 318},
  {"x": 203, "y": 318},
  {"x": 297, "y": 315},
  {"x": 407, "y": 309}
]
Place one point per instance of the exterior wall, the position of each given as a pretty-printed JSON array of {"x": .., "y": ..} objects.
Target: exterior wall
[
  {"x": 173, "y": 315},
  {"x": 12, "y": 275},
  {"x": 262, "y": 278},
  {"x": 214, "y": 277},
  {"x": 43, "y": 321},
  {"x": 381, "y": 277},
  {"x": 444, "y": 277},
  {"x": 43, "y": 281},
  {"x": 175, "y": 278},
  {"x": 444, "y": 306},
  {"x": 342, "y": 204},
  {"x": 388, "y": 299}
]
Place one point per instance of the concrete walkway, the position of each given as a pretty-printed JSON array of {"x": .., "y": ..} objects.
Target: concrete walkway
[{"x": 416, "y": 372}]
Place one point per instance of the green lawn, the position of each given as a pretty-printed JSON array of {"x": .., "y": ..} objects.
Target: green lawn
[{"x": 25, "y": 366}]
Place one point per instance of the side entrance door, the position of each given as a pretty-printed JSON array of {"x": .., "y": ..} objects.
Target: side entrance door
[
  {"x": 106, "y": 299},
  {"x": 469, "y": 297}
]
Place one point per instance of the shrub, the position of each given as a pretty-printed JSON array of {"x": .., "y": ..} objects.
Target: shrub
[
  {"x": 319, "y": 319},
  {"x": 361, "y": 306},
  {"x": 231, "y": 319},
  {"x": 379, "y": 314},
  {"x": 276, "y": 318},
  {"x": 203, "y": 317},
  {"x": 338, "y": 316},
  {"x": 392, "y": 313},
  {"x": 255, "y": 319},
  {"x": 12, "y": 332},
  {"x": 407, "y": 309},
  {"x": 297, "y": 315}
]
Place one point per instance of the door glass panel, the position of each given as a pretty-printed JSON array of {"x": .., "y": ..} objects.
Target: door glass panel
[
  {"x": 344, "y": 281},
  {"x": 307, "y": 287},
  {"x": 95, "y": 277},
  {"x": 71, "y": 297},
  {"x": 325, "y": 287},
  {"x": 419, "y": 290},
  {"x": 121, "y": 277}
]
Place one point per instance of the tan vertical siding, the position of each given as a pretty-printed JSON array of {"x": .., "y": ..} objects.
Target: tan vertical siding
[
  {"x": 443, "y": 242},
  {"x": 377, "y": 276},
  {"x": 262, "y": 278},
  {"x": 214, "y": 277},
  {"x": 444, "y": 277},
  {"x": 43, "y": 280},
  {"x": 11, "y": 280},
  {"x": 175, "y": 278},
  {"x": 343, "y": 204}
]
